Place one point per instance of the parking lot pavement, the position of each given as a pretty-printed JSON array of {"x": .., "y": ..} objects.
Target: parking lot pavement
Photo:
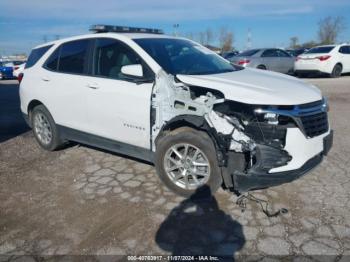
[{"x": 81, "y": 201}]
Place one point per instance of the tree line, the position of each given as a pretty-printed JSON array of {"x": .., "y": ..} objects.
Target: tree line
[
  {"x": 223, "y": 36},
  {"x": 329, "y": 30}
]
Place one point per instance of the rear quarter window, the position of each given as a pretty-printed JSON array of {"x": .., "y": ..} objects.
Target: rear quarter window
[
  {"x": 270, "y": 53},
  {"x": 249, "y": 52},
  {"x": 52, "y": 61},
  {"x": 320, "y": 50},
  {"x": 36, "y": 54}
]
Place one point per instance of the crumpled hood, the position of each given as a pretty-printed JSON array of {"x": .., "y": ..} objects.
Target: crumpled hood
[{"x": 254, "y": 86}]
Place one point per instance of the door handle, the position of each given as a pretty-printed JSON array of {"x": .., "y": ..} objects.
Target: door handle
[
  {"x": 93, "y": 86},
  {"x": 46, "y": 79}
]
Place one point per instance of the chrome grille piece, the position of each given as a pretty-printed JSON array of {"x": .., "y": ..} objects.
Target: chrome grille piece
[{"x": 311, "y": 118}]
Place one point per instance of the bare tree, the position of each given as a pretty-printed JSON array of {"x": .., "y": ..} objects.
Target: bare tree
[
  {"x": 330, "y": 28},
  {"x": 309, "y": 44},
  {"x": 294, "y": 42},
  {"x": 225, "y": 39},
  {"x": 209, "y": 36},
  {"x": 202, "y": 38},
  {"x": 189, "y": 35}
]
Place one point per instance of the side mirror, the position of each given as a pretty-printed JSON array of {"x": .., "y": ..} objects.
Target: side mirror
[{"x": 132, "y": 70}]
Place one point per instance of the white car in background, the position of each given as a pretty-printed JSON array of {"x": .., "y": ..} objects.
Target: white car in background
[
  {"x": 329, "y": 59},
  {"x": 18, "y": 69}
]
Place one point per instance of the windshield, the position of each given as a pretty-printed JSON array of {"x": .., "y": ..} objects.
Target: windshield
[
  {"x": 321, "y": 49},
  {"x": 249, "y": 52},
  {"x": 179, "y": 56}
]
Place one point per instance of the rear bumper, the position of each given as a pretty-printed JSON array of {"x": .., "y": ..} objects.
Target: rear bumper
[
  {"x": 258, "y": 177},
  {"x": 314, "y": 72},
  {"x": 316, "y": 67}
]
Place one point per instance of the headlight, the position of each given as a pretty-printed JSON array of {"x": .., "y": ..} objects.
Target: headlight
[{"x": 270, "y": 117}]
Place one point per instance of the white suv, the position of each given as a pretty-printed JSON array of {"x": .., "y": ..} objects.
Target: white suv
[
  {"x": 170, "y": 101},
  {"x": 333, "y": 60}
]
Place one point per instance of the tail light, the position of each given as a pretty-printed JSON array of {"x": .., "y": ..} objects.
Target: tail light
[
  {"x": 20, "y": 77},
  {"x": 243, "y": 61},
  {"x": 323, "y": 58},
  {"x": 16, "y": 67}
]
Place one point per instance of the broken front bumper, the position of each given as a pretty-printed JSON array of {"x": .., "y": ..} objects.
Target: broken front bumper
[{"x": 257, "y": 177}]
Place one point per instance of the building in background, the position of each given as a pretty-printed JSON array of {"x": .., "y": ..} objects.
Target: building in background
[{"x": 22, "y": 57}]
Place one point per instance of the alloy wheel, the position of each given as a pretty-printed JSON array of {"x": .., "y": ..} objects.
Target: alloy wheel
[
  {"x": 42, "y": 128},
  {"x": 186, "y": 166}
]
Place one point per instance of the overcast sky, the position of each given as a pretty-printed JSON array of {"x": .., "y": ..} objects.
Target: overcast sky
[{"x": 26, "y": 23}]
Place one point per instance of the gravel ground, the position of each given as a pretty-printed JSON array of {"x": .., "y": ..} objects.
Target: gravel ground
[{"x": 84, "y": 201}]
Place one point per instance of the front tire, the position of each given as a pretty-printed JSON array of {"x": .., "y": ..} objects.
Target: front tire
[
  {"x": 336, "y": 72},
  {"x": 186, "y": 161},
  {"x": 44, "y": 129}
]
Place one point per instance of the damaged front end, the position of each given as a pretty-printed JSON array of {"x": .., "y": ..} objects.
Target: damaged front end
[
  {"x": 249, "y": 144},
  {"x": 289, "y": 142}
]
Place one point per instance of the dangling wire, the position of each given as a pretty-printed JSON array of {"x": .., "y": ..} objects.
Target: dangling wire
[{"x": 242, "y": 203}]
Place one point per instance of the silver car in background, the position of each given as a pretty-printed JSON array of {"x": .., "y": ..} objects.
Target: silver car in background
[{"x": 273, "y": 59}]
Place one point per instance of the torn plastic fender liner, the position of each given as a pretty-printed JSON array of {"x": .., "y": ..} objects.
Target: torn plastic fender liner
[{"x": 240, "y": 142}]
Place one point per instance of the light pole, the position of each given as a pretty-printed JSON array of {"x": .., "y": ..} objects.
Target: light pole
[{"x": 176, "y": 27}]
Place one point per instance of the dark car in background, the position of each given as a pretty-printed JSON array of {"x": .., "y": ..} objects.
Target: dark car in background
[
  {"x": 7, "y": 67},
  {"x": 229, "y": 55},
  {"x": 273, "y": 59},
  {"x": 296, "y": 52},
  {"x": 6, "y": 70}
]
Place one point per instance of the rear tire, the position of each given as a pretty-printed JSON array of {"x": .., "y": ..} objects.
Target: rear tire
[
  {"x": 336, "y": 72},
  {"x": 192, "y": 167},
  {"x": 301, "y": 75},
  {"x": 262, "y": 67},
  {"x": 44, "y": 129}
]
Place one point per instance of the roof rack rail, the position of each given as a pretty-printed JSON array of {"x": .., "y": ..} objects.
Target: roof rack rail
[{"x": 123, "y": 29}]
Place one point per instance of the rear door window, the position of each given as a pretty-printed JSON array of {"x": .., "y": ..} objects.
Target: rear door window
[
  {"x": 36, "y": 54},
  {"x": 249, "y": 52},
  {"x": 73, "y": 57}
]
